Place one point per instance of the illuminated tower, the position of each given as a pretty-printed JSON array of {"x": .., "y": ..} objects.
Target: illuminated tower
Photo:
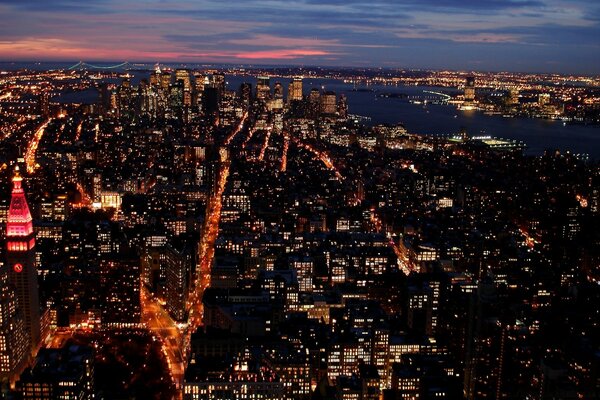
[
  {"x": 278, "y": 90},
  {"x": 342, "y": 107},
  {"x": 165, "y": 80},
  {"x": 184, "y": 75},
  {"x": 14, "y": 341},
  {"x": 470, "y": 90},
  {"x": 20, "y": 259},
  {"x": 263, "y": 87},
  {"x": 295, "y": 90},
  {"x": 219, "y": 83},
  {"x": 246, "y": 92},
  {"x": 328, "y": 103}
]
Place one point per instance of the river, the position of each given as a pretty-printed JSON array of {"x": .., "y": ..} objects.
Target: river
[{"x": 537, "y": 134}]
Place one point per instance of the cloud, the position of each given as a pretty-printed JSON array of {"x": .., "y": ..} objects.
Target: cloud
[
  {"x": 281, "y": 54},
  {"x": 478, "y": 37},
  {"x": 419, "y": 33},
  {"x": 444, "y": 4}
]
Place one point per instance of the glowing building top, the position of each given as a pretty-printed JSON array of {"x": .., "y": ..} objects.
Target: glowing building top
[{"x": 19, "y": 221}]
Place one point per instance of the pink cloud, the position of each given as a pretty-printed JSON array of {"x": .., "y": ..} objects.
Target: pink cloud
[
  {"x": 53, "y": 48},
  {"x": 283, "y": 54},
  {"x": 278, "y": 41}
]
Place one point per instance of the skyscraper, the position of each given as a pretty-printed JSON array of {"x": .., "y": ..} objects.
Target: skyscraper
[
  {"x": 278, "y": 90},
  {"x": 342, "y": 107},
  {"x": 219, "y": 83},
  {"x": 20, "y": 257},
  {"x": 263, "y": 87},
  {"x": 246, "y": 92},
  {"x": 13, "y": 336},
  {"x": 184, "y": 75},
  {"x": 165, "y": 80},
  {"x": 469, "y": 91},
  {"x": 328, "y": 103},
  {"x": 295, "y": 89}
]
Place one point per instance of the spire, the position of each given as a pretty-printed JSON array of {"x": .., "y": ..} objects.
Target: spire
[{"x": 19, "y": 221}]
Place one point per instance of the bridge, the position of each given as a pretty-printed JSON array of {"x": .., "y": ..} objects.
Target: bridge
[
  {"x": 84, "y": 65},
  {"x": 445, "y": 96}
]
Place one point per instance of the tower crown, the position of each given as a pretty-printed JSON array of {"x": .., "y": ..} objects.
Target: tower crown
[{"x": 19, "y": 221}]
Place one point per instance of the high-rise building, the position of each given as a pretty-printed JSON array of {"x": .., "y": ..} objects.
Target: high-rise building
[
  {"x": 199, "y": 85},
  {"x": 165, "y": 80},
  {"x": 543, "y": 99},
  {"x": 246, "y": 92},
  {"x": 278, "y": 90},
  {"x": 470, "y": 90},
  {"x": 120, "y": 284},
  {"x": 342, "y": 107},
  {"x": 20, "y": 257},
  {"x": 210, "y": 101},
  {"x": 179, "y": 268},
  {"x": 154, "y": 77},
  {"x": 513, "y": 97},
  {"x": 263, "y": 87},
  {"x": 328, "y": 103},
  {"x": 314, "y": 104},
  {"x": 184, "y": 75},
  {"x": 219, "y": 83},
  {"x": 43, "y": 104},
  {"x": 13, "y": 336},
  {"x": 176, "y": 95},
  {"x": 295, "y": 90}
]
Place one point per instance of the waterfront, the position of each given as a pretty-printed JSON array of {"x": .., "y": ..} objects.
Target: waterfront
[{"x": 433, "y": 119}]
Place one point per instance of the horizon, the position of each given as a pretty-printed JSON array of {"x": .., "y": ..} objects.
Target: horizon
[
  {"x": 112, "y": 63},
  {"x": 497, "y": 35}
]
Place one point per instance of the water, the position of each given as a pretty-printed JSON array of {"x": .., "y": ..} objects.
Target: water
[{"x": 537, "y": 134}]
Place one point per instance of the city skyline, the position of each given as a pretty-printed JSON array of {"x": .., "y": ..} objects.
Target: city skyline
[
  {"x": 526, "y": 36},
  {"x": 205, "y": 233},
  {"x": 302, "y": 200}
]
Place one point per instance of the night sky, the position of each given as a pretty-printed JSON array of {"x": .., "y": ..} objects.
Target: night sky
[{"x": 528, "y": 35}]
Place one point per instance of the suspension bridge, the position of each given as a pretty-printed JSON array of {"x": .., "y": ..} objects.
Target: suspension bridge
[{"x": 84, "y": 65}]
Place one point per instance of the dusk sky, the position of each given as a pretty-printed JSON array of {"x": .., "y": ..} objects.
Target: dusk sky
[{"x": 516, "y": 35}]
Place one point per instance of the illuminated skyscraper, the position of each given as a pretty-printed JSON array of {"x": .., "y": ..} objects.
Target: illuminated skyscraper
[
  {"x": 13, "y": 336},
  {"x": 328, "y": 103},
  {"x": 198, "y": 89},
  {"x": 20, "y": 258},
  {"x": 178, "y": 270},
  {"x": 44, "y": 104},
  {"x": 342, "y": 107},
  {"x": 246, "y": 92},
  {"x": 470, "y": 90},
  {"x": 278, "y": 90},
  {"x": 184, "y": 75},
  {"x": 154, "y": 78},
  {"x": 543, "y": 99},
  {"x": 263, "y": 88},
  {"x": 219, "y": 83},
  {"x": 165, "y": 80},
  {"x": 513, "y": 99},
  {"x": 295, "y": 90}
]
